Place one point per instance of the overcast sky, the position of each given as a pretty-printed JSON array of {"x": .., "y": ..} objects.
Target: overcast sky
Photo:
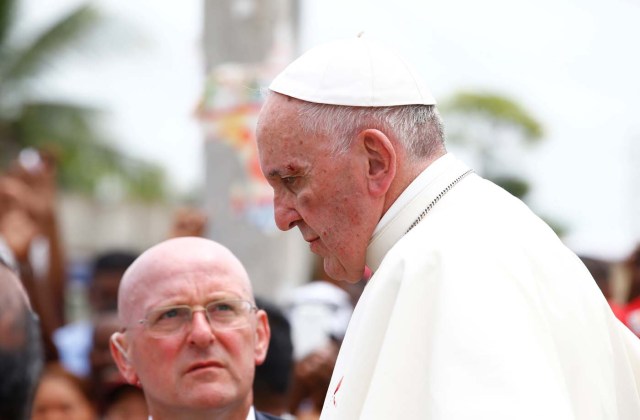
[
  {"x": 572, "y": 63},
  {"x": 148, "y": 77}
]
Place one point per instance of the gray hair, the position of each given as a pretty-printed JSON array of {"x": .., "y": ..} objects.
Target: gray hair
[{"x": 418, "y": 128}]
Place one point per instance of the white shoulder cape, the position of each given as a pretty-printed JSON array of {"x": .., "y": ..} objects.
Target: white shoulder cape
[{"x": 480, "y": 312}]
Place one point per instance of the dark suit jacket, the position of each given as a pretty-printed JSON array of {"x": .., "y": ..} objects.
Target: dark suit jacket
[{"x": 264, "y": 416}]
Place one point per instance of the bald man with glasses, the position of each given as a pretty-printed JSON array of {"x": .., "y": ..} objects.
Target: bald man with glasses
[{"x": 192, "y": 333}]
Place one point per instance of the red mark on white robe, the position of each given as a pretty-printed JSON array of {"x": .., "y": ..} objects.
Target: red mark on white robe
[{"x": 336, "y": 391}]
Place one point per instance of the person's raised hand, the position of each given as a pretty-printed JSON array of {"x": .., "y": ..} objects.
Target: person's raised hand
[
  {"x": 38, "y": 172},
  {"x": 188, "y": 221},
  {"x": 17, "y": 225}
]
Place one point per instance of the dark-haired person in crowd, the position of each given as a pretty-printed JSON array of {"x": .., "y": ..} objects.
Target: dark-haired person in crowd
[
  {"x": 476, "y": 309},
  {"x": 272, "y": 381},
  {"x": 63, "y": 395},
  {"x": 74, "y": 340},
  {"x": 113, "y": 396},
  {"x": 125, "y": 402},
  {"x": 192, "y": 334},
  {"x": 21, "y": 356}
]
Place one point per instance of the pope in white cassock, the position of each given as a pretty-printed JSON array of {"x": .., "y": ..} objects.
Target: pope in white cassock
[{"x": 476, "y": 310}]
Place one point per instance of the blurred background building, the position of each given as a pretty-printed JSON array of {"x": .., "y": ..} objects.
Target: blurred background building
[{"x": 245, "y": 44}]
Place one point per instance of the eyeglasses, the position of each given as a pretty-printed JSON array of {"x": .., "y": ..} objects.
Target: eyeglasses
[{"x": 222, "y": 315}]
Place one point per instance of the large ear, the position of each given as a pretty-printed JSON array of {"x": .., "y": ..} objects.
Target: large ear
[
  {"x": 263, "y": 334},
  {"x": 119, "y": 351},
  {"x": 381, "y": 160}
]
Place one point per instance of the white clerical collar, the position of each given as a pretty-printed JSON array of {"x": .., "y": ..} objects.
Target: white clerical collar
[
  {"x": 436, "y": 178},
  {"x": 417, "y": 185}
]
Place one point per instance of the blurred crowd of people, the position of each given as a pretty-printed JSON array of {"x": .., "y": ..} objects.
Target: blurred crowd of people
[
  {"x": 628, "y": 309},
  {"x": 80, "y": 379}
]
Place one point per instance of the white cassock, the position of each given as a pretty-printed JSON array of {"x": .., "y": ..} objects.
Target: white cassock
[{"x": 479, "y": 312}]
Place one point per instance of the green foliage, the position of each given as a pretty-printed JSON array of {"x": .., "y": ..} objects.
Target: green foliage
[
  {"x": 68, "y": 34},
  {"x": 514, "y": 185},
  {"x": 70, "y": 131},
  {"x": 558, "y": 227},
  {"x": 485, "y": 123},
  {"x": 496, "y": 109},
  {"x": 7, "y": 13},
  {"x": 491, "y": 126}
]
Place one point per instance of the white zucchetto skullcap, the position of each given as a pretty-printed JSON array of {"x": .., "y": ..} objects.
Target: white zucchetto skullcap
[{"x": 353, "y": 72}]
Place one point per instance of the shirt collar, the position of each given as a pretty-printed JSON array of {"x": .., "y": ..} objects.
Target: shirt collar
[{"x": 250, "y": 416}]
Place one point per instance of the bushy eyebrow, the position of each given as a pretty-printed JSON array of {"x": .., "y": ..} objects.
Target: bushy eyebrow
[
  {"x": 274, "y": 173},
  {"x": 289, "y": 170}
]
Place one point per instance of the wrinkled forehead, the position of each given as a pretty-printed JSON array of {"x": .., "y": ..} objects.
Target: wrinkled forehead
[
  {"x": 285, "y": 138},
  {"x": 278, "y": 112},
  {"x": 182, "y": 276}
]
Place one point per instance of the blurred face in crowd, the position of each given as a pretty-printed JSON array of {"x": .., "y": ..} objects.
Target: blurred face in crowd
[
  {"x": 60, "y": 396},
  {"x": 196, "y": 366},
  {"x": 104, "y": 371},
  {"x": 325, "y": 195},
  {"x": 104, "y": 290},
  {"x": 129, "y": 404}
]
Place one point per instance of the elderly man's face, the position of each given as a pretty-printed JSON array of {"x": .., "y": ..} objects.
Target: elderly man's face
[
  {"x": 325, "y": 196},
  {"x": 199, "y": 367}
]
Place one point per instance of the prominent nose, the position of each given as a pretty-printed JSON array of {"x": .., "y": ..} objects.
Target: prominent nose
[
  {"x": 201, "y": 333},
  {"x": 285, "y": 214},
  {"x": 55, "y": 414}
]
